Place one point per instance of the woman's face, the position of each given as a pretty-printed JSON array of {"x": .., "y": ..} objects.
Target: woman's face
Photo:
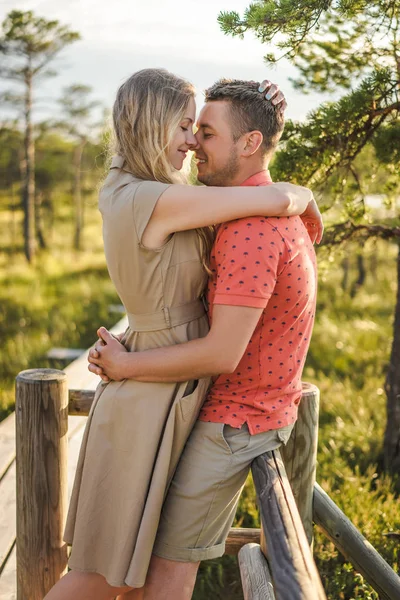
[{"x": 183, "y": 139}]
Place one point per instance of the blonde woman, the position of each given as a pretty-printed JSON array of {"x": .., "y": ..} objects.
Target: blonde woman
[{"x": 156, "y": 239}]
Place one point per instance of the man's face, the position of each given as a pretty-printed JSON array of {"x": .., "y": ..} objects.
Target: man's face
[{"x": 217, "y": 154}]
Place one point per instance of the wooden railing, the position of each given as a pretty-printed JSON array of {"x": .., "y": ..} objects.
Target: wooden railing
[{"x": 277, "y": 563}]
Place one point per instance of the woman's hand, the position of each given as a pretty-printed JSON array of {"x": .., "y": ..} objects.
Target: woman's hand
[
  {"x": 273, "y": 93},
  {"x": 106, "y": 358},
  {"x": 301, "y": 202},
  {"x": 312, "y": 219}
]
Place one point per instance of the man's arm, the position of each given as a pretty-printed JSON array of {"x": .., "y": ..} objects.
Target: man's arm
[{"x": 220, "y": 351}]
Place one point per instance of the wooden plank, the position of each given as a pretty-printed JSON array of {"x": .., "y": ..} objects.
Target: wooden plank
[
  {"x": 8, "y": 491},
  {"x": 7, "y": 443},
  {"x": 74, "y": 445},
  {"x": 67, "y": 354},
  {"x": 7, "y": 514},
  {"x": 240, "y": 536},
  {"x": 293, "y": 569},
  {"x": 353, "y": 545},
  {"x": 300, "y": 456},
  {"x": 255, "y": 574},
  {"x": 8, "y": 579},
  {"x": 117, "y": 308}
]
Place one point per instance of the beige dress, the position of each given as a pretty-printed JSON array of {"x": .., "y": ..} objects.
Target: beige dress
[{"x": 136, "y": 431}]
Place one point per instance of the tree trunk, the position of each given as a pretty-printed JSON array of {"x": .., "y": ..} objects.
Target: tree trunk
[
  {"x": 77, "y": 195},
  {"x": 345, "y": 278},
  {"x": 39, "y": 220},
  {"x": 361, "y": 274},
  {"x": 15, "y": 200},
  {"x": 392, "y": 388},
  {"x": 373, "y": 262},
  {"x": 29, "y": 174},
  {"x": 50, "y": 213}
]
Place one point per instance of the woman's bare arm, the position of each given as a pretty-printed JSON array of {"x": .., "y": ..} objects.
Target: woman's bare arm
[{"x": 183, "y": 207}]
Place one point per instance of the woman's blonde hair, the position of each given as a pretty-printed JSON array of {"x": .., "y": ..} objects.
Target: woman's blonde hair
[{"x": 147, "y": 111}]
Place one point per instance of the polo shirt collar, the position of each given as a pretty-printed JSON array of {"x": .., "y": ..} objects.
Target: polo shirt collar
[{"x": 261, "y": 178}]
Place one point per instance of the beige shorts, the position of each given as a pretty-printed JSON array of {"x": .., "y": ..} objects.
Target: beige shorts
[{"x": 204, "y": 493}]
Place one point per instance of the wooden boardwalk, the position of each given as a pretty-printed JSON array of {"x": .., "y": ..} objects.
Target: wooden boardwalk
[{"x": 78, "y": 378}]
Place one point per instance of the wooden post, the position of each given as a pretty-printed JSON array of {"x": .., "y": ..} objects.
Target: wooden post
[
  {"x": 255, "y": 574},
  {"x": 300, "y": 456},
  {"x": 293, "y": 569},
  {"x": 41, "y": 459}
]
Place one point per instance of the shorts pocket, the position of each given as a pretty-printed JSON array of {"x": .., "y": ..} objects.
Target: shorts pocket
[
  {"x": 284, "y": 433},
  {"x": 235, "y": 439}
]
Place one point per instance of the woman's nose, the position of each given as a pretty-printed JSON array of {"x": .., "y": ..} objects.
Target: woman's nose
[{"x": 192, "y": 142}]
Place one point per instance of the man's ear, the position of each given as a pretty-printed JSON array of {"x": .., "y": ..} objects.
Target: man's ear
[{"x": 251, "y": 143}]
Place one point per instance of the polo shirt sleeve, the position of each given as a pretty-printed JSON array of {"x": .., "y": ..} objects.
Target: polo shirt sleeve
[{"x": 248, "y": 256}]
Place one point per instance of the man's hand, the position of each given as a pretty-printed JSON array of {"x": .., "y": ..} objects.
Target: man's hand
[
  {"x": 106, "y": 357},
  {"x": 312, "y": 219}
]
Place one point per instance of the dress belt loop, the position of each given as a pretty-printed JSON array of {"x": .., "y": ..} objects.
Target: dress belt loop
[{"x": 167, "y": 316}]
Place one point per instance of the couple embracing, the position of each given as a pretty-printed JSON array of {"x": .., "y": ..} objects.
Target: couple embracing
[{"x": 219, "y": 285}]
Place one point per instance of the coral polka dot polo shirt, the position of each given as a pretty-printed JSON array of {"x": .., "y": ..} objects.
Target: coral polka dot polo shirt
[{"x": 269, "y": 263}]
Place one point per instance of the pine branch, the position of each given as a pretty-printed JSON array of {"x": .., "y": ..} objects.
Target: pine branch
[{"x": 344, "y": 232}]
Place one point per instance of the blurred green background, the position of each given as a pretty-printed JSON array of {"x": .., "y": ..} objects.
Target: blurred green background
[
  {"x": 347, "y": 150},
  {"x": 64, "y": 298}
]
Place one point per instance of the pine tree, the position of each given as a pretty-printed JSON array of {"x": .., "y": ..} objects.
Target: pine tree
[
  {"x": 77, "y": 109},
  {"x": 28, "y": 44},
  {"x": 353, "y": 45}
]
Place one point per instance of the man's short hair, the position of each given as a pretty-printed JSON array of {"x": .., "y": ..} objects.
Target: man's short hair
[{"x": 249, "y": 110}]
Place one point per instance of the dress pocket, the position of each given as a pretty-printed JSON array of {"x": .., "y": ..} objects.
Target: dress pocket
[{"x": 193, "y": 398}]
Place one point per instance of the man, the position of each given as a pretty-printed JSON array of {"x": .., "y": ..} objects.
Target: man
[{"x": 261, "y": 307}]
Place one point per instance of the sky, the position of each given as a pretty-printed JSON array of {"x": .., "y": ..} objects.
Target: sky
[{"x": 120, "y": 37}]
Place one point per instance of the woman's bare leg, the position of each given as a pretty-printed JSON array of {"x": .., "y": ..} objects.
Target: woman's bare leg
[
  {"x": 85, "y": 586},
  {"x": 135, "y": 594}
]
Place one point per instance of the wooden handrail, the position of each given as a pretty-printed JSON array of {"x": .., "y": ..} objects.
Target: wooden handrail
[
  {"x": 43, "y": 404},
  {"x": 353, "y": 545},
  {"x": 255, "y": 574},
  {"x": 294, "y": 573}
]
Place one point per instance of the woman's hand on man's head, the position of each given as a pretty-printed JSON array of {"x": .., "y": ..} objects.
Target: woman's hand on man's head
[{"x": 273, "y": 93}]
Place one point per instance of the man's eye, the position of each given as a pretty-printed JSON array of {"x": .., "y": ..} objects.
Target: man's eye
[{"x": 207, "y": 135}]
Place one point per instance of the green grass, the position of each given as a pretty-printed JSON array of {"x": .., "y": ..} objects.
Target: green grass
[
  {"x": 60, "y": 301},
  {"x": 63, "y": 298}
]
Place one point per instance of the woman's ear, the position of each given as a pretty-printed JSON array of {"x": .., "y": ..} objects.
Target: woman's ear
[{"x": 252, "y": 142}]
